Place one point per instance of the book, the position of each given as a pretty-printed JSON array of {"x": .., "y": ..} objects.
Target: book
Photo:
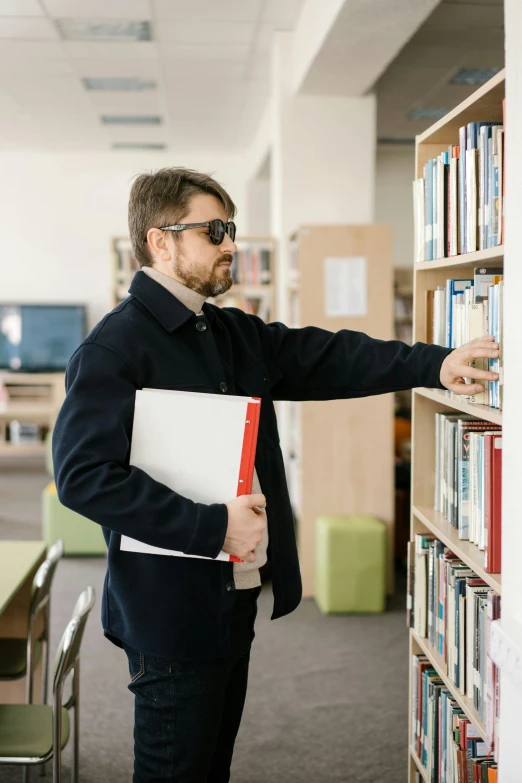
[
  {"x": 168, "y": 429},
  {"x": 493, "y": 503}
]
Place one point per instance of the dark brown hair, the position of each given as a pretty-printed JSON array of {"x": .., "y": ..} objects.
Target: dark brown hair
[{"x": 163, "y": 198}]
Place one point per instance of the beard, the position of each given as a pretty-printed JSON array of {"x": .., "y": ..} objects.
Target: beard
[{"x": 213, "y": 283}]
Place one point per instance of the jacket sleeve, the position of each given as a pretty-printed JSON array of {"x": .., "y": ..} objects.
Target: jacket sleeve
[
  {"x": 316, "y": 364},
  {"x": 91, "y": 447}
]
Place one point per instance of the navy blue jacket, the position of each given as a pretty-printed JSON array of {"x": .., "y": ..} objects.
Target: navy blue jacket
[{"x": 181, "y": 607}]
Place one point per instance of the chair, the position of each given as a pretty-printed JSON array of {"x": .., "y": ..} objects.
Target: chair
[
  {"x": 31, "y": 734},
  {"x": 19, "y": 657}
]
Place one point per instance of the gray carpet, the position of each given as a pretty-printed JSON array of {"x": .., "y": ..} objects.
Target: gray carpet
[{"x": 327, "y": 698}]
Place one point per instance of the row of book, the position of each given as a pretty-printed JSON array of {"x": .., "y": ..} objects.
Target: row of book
[
  {"x": 450, "y": 606},
  {"x": 458, "y": 202},
  {"x": 252, "y": 266},
  {"x": 253, "y": 305},
  {"x": 468, "y": 481},
  {"x": 446, "y": 743},
  {"x": 465, "y": 309}
]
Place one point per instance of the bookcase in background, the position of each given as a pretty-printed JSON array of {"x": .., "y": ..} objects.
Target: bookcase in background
[
  {"x": 485, "y": 105},
  {"x": 339, "y": 454},
  {"x": 34, "y": 398},
  {"x": 253, "y": 271}
]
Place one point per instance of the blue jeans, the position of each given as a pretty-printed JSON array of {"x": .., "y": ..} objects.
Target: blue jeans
[{"x": 187, "y": 714}]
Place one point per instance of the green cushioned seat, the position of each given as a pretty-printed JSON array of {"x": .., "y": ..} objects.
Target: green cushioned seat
[
  {"x": 49, "y": 453},
  {"x": 350, "y": 564},
  {"x": 80, "y": 536},
  {"x": 13, "y": 657},
  {"x": 26, "y": 730}
]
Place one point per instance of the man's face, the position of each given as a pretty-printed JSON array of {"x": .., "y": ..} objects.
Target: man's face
[{"x": 195, "y": 261}]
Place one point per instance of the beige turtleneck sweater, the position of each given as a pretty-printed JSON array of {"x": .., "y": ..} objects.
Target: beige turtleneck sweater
[{"x": 246, "y": 575}]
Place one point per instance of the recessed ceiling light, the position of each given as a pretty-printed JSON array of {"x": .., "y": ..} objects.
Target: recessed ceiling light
[
  {"x": 474, "y": 76},
  {"x": 427, "y": 114},
  {"x": 122, "y": 83},
  {"x": 126, "y": 145},
  {"x": 130, "y": 120},
  {"x": 91, "y": 30}
]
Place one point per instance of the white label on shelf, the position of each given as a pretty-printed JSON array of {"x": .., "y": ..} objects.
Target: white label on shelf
[{"x": 345, "y": 286}]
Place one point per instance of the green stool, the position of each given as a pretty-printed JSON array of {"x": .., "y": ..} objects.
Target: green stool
[
  {"x": 80, "y": 535},
  {"x": 350, "y": 564}
]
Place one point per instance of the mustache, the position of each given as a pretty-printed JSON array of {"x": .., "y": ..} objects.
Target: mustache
[{"x": 228, "y": 257}]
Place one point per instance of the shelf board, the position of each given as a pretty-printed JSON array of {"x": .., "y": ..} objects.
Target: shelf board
[
  {"x": 418, "y": 764},
  {"x": 493, "y": 256},
  {"x": 27, "y": 450},
  {"x": 469, "y": 553},
  {"x": 28, "y": 410},
  {"x": 492, "y": 415},
  {"x": 483, "y": 104},
  {"x": 437, "y": 662},
  {"x": 248, "y": 290}
]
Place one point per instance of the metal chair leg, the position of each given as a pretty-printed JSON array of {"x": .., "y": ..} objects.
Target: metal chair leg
[
  {"x": 26, "y": 775},
  {"x": 76, "y": 747},
  {"x": 45, "y": 678}
]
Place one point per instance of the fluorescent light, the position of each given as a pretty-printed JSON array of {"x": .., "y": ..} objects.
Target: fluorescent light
[
  {"x": 130, "y": 120},
  {"x": 427, "y": 114},
  {"x": 474, "y": 76},
  {"x": 91, "y": 30},
  {"x": 127, "y": 145},
  {"x": 120, "y": 83}
]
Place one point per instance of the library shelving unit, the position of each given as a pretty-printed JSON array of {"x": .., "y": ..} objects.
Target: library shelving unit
[
  {"x": 253, "y": 270},
  {"x": 254, "y": 273},
  {"x": 403, "y": 303},
  {"x": 339, "y": 454},
  {"x": 484, "y": 105},
  {"x": 34, "y": 398}
]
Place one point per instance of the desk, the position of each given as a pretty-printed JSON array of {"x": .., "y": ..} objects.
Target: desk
[{"x": 19, "y": 562}]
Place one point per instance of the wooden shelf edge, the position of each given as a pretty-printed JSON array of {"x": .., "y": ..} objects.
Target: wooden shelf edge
[
  {"x": 476, "y": 96},
  {"x": 493, "y": 415},
  {"x": 419, "y": 765},
  {"x": 469, "y": 553},
  {"x": 492, "y": 254},
  {"x": 437, "y": 662},
  {"x": 28, "y": 450}
]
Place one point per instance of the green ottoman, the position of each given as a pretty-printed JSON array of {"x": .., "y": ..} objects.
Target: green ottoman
[
  {"x": 80, "y": 536},
  {"x": 350, "y": 564}
]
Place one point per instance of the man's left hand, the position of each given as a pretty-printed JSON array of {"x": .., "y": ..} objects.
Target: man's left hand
[{"x": 455, "y": 366}]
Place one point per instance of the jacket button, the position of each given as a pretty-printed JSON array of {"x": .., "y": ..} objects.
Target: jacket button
[
  {"x": 201, "y": 326},
  {"x": 230, "y": 587},
  {"x": 223, "y": 387},
  {"x": 266, "y": 379}
]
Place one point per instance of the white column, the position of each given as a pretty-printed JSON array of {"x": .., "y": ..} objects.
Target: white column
[
  {"x": 507, "y": 636},
  {"x": 323, "y": 159},
  {"x": 258, "y": 207}
]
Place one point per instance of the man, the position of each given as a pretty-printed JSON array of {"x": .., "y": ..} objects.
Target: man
[{"x": 187, "y": 624}]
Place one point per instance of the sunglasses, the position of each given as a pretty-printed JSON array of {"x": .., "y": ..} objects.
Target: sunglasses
[{"x": 216, "y": 229}]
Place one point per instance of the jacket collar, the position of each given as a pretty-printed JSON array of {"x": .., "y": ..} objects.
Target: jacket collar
[{"x": 166, "y": 308}]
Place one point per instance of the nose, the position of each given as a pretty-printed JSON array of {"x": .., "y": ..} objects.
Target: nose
[{"x": 227, "y": 246}]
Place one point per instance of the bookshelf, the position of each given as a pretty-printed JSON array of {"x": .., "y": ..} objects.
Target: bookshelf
[
  {"x": 336, "y": 462},
  {"x": 253, "y": 271},
  {"x": 483, "y": 106},
  {"x": 34, "y": 398}
]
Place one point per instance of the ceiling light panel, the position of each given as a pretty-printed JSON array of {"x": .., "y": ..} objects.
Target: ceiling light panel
[
  {"x": 125, "y": 119},
  {"x": 427, "y": 114},
  {"x": 474, "y": 76},
  {"x": 27, "y": 28},
  {"x": 118, "y": 83},
  {"x": 128, "y": 145},
  {"x": 124, "y": 30},
  {"x": 98, "y": 9},
  {"x": 20, "y": 8}
]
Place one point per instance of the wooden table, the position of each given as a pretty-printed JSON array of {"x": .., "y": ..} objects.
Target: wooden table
[{"x": 19, "y": 562}]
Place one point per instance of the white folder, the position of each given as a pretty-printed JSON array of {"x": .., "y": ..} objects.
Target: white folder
[{"x": 200, "y": 445}]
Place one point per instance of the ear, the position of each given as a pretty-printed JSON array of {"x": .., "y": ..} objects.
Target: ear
[{"x": 158, "y": 244}]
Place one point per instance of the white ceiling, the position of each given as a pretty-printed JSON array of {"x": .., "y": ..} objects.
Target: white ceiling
[{"x": 210, "y": 58}]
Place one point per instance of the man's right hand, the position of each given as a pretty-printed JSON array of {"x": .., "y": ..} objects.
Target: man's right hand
[{"x": 246, "y": 524}]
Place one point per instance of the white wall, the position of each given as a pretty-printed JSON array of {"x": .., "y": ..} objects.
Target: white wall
[
  {"x": 393, "y": 197},
  {"x": 58, "y": 213}
]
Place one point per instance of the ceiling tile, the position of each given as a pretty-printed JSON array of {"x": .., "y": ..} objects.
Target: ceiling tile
[
  {"x": 203, "y": 10},
  {"x": 23, "y": 65},
  {"x": 211, "y": 32},
  {"x": 155, "y": 135},
  {"x": 108, "y": 67},
  {"x": 20, "y": 8},
  {"x": 32, "y": 50},
  {"x": 98, "y": 9},
  {"x": 28, "y": 28},
  {"x": 202, "y": 52},
  {"x": 125, "y": 102},
  {"x": 109, "y": 50},
  {"x": 282, "y": 14}
]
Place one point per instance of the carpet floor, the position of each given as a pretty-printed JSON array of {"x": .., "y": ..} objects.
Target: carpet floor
[{"x": 327, "y": 698}]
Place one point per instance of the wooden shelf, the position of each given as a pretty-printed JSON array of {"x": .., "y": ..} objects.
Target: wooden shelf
[
  {"x": 469, "y": 553},
  {"x": 418, "y": 764},
  {"x": 492, "y": 415},
  {"x": 27, "y": 410},
  {"x": 247, "y": 290},
  {"x": 27, "y": 450},
  {"x": 493, "y": 256},
  {"x": 437, "y": 662}
]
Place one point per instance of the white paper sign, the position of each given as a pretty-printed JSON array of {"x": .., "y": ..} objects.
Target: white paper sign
[{"x": 345, "y": 286}]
